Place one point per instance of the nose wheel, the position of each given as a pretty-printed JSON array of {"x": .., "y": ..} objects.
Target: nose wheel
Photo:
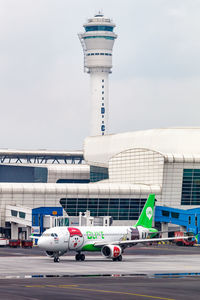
[
  {"x": 80, "y": 257},
  {"x": 56, "y": 259}
]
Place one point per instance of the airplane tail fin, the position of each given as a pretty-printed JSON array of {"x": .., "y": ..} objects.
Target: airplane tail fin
[{"x": 146, "y": 216}]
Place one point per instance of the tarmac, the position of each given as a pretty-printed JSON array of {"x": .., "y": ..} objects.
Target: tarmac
[
  {"x": 97, "y": 265},
  {"x": 164, "y": 272}
]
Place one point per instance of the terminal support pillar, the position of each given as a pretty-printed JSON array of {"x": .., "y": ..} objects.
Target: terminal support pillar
[
  {"x": 182, "y": 228},
  {"x": 28, "y": 232},
  {"x": 164, "y": 227},
  {"x": 14, "y": 231}
]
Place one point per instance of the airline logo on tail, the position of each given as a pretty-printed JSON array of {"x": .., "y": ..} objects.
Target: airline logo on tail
[
  {"x": 146, "y": 216},
  {"x": 149, "y": 213}
]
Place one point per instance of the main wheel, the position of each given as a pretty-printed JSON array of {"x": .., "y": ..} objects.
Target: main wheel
[
  {"x": 119, "y": 258},
  {"x": 82, "y": 256},
  {"x": 114, "y": 259},
  {"x": 78, "y": 257}
]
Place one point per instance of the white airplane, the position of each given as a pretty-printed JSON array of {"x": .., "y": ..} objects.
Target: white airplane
[{"x": 110, "y": 241}]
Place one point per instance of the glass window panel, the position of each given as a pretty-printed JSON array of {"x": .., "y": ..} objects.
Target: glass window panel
[
  {"x": 123, "y": 217},
  {"x": 175, "y": 215},
  {"x": 165, "y": 213},
  {"x": 191, "y": 187},
  {"x": 14, "y": 213},
  {"x": 187, "y": 171},
  {"x": 93, "y": 206},
  {"x": 102, "y": 213}
]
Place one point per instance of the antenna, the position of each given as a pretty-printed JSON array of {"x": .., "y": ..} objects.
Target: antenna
[{"x": 99, "y": 13}]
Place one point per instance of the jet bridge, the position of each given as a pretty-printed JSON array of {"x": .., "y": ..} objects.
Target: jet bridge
[{"x": 188, "y": 220}]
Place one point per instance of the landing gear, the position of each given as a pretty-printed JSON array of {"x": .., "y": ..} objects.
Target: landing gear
[
  {"x": 56, "y": 258},
  {"x": 80, "y": 257},
  {"x": 119, "y": 258}
]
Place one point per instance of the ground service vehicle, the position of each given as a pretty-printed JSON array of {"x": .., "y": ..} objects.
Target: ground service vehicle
[{"x": 180, "y": 241}]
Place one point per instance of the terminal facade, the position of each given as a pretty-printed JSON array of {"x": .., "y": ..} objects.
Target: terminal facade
[{"x": 114, "y": 178}]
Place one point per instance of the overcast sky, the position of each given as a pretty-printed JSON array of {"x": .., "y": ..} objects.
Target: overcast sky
[{"x": 44, "y": 94}]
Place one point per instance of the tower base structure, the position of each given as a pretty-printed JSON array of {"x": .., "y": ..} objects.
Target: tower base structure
[{"x": 99, "y": 101}]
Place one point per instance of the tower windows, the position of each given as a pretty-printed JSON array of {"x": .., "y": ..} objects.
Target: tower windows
[
  {"x": 99, "y": 37},
  {"x": 102, "y": 86},
  {"x": 98, "y": 28},
  {"x": 102, "y": 104},
  {"x": 102, "y": 98},
  {"x": 102, "y": 80},
  {"x": 88, "y": 54},
  {"x": 102, "y": 92},
  {"x": 103, "y": 110}
]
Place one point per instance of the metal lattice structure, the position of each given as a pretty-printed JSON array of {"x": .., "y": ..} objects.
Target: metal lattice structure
[{"x": 40, "y": 157}]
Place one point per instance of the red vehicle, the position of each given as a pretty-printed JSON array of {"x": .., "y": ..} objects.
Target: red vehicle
[
  {"x": 14, "y": 243},
  {"x": 27, "y": 244},
  {"x": 183, "y": 242}
]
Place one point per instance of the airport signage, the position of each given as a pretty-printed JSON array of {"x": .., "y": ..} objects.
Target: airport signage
[{"x": 35, "y": 230}]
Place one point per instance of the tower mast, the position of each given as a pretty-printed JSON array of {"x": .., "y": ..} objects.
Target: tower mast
[{"x": 97, "y": 42}]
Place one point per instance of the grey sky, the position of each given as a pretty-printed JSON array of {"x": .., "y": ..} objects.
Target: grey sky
[{"x": 44, "y": 94}]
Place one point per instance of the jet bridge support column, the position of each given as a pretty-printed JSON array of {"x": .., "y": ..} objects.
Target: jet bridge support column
[
  {"x": 14, "y": 231},
  {"x": 164, "y": 227}
]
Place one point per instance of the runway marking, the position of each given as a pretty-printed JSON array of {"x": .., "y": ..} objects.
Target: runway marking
[
  {"x": 75, "y": 287},
  {"x": 36, "y": 286},
  {"x": 52, "y": 285}
]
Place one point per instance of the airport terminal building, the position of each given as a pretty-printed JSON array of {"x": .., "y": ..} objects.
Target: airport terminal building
[{"x": 112, "y": 176}]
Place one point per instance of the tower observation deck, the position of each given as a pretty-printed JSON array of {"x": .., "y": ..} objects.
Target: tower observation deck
[{"x": 97, "y": 42}]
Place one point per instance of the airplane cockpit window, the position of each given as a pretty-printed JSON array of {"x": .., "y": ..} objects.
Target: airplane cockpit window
[
  {"x": 54, "y": 235},
  {"x": 49, "y": 234},
  {"x": 46, "y": 234}
]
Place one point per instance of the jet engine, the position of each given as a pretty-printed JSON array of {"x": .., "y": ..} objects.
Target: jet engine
[
  {"x": 112, "y": 251},
  {"x": 49, "y": 253}
]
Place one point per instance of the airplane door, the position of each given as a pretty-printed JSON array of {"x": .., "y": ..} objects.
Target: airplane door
[
  {"x": 134, "y": 234},
  {"x": 66, "y": 240}
]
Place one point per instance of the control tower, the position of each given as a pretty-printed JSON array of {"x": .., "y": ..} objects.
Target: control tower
[{"x": 97, "y": 42}]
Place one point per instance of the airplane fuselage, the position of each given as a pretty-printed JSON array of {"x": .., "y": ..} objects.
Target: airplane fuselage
[
  {"x": 110, "y": 240},
  {"x": 83, "y": 238}
]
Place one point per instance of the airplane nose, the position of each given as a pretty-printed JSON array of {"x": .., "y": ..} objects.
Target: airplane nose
[{"x": 41, "y": 243}]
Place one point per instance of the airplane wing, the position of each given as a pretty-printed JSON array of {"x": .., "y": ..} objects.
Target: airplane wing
[{"x": 129, "y": 243}]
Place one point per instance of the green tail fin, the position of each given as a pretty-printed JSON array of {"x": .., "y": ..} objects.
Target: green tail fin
[{"x": 146, "y": 216}]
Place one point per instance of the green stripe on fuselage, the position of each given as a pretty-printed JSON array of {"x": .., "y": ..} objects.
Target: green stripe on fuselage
[
  {"x": 90, "y": 247},
  {"x": 153, "y": 232}
]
